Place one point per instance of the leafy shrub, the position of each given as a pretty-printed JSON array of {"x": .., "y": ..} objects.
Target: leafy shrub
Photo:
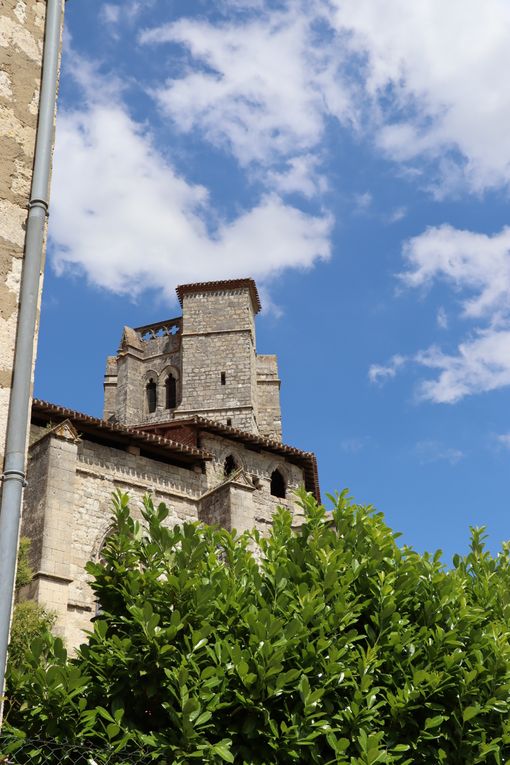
[
  {"x": 29, "y": 619},
  {"x": 338, "y": 646}
]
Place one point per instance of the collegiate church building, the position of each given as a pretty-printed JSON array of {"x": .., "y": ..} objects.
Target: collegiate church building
[{"x": 191, "y": 416}]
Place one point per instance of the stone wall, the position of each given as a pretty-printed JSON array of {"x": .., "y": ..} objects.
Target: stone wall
[
  {"x": 67, "y": 505},
  {"x": 21, "y": 41},
  {"x": 269, "y": 418},
  {"x": 140, "y": 360},
  {"x": 258, "y": 466},
  {"x": 218, "y": 357},
  {"x": 67, "y": 514}
]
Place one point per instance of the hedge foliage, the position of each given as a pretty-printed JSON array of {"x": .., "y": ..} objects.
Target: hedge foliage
[{"x": 327, "y": 644}]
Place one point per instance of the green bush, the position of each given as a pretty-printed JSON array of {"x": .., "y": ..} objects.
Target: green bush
[
  {"x": 29, "y": 619},
  {"x": 330, "y": 644}
]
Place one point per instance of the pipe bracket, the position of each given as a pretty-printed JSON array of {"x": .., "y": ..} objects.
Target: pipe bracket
[
  {"x": 39, "y": 203},
  {"x": 14, "y": 475}
]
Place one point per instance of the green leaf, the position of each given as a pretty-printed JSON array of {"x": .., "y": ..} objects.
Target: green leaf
[{"x": 470, "y": 712}]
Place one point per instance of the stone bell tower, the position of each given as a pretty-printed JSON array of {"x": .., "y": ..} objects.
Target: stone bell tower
[{"x": 201, "y": 364}]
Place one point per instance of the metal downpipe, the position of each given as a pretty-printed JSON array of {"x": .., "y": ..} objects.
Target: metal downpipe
[{"x": 19, "y": 406}]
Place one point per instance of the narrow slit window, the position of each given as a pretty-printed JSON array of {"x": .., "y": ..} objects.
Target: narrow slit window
[
  {"x": 171, "y": 392},
  {"x": 223, "y": 378},
  {"x": 278, "y": 488},
  {"x": 152, "y": 396},
  {"x": 229, "y": 421}
]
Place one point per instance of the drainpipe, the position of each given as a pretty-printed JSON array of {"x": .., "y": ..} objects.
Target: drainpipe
[{"x": 19, "y": 406}]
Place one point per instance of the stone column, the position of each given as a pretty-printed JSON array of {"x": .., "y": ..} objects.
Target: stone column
[{"x": 51, "y": 499}]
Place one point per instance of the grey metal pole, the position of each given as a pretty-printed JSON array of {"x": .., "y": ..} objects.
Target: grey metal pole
[{"x": 17, "y": 426}]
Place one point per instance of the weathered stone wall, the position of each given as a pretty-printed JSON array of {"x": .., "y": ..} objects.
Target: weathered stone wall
[
  {"x": 218, "y": 311},
  {"x": 128, "y": 373},
  {"x": 110, "y": 389},
  {"x": 269, "y": 419},
  {"x": 258, "y": 466},
  {"x": 67, "y": 514},
  {"x": 67, "y": 509},
  {"x": 21, "y": 41},
  {"x": 215, "y": 507},
  {"x": 218, "y": 357}
]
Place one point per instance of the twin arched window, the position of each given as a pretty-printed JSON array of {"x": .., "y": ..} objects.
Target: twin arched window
[{"x": 151, "y": 393}]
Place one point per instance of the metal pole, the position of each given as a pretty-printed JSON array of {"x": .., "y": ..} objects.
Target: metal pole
[{"x": 19, "y": 406}]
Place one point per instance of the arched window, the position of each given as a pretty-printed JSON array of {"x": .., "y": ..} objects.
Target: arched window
[
  {"x": 152, "y": 396},
  {"x": 229, "y": 466},
  {"x": 278, "y": 487},
  {"x": 171, "y": 392}
]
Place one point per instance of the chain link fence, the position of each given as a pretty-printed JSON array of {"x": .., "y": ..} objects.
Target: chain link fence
[{"x": 20, "y": 751}]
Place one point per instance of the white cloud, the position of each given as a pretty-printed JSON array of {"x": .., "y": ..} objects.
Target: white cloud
[
  {"x": 434, "y": 451},
  {"x": 478, "y": 267},
  {"x": 472, "y": 262},
  {"x": 254, "y": 87},
  {"x": 110, "y": 13},
  {"x": 424, "y": 80},
  {"x": 399, "y": 213},
  {"x": 379, "y": 373},
  {"x": 299, "y": 176},
  {"x": 442, "y": 63},
  {"x": 442, "y": 318},
  {"x": 503, "y": 439},
  {"x": 123, "y": 216},
  {"x": 363, "y": 201},
  {"x": 480, "y": 365},
  {"x": 113, "y": 14}
]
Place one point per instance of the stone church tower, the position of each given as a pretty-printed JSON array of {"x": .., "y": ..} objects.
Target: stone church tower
[
  {"x": 191, "y": 416},
  {"x": 203, "y": 363}
]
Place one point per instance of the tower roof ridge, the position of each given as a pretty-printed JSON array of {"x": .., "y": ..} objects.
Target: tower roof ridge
[{"x": 222, "y": 284}]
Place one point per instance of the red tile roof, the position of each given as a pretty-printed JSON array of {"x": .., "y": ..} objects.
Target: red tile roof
[
  {"x": 306, "y": 460},
  {"x": 116, "y": 434}
]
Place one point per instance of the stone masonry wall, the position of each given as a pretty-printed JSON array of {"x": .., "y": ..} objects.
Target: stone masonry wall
[
  {"x": 127, "y": 375},
  {"x": 218, "y": 357},
  {"x": 21, "y": 42},
  {"x": 269, "y": 418},
  {"x": 259, "y": 467},
  {"x": 68, "y": 514},
  {"x": 67, "y": 509}
]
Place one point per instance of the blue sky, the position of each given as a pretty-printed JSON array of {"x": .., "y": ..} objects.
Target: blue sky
[{"x": 354, "y": 158}]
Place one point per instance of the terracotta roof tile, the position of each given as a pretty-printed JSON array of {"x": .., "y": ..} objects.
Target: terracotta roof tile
[{"x": 116, "y": 432}]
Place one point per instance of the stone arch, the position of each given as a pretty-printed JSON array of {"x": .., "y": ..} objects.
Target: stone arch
[
  {"x": 278, "y": 484},
  {"x": 278, "y": 480},
  {"x": 230, "y": 465},
  {"x": 100, "y": 541},
  {"x": 169, "y": 393},
  {"x": 151, "y": 395},
  {"x": 233, "y": 452}
]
